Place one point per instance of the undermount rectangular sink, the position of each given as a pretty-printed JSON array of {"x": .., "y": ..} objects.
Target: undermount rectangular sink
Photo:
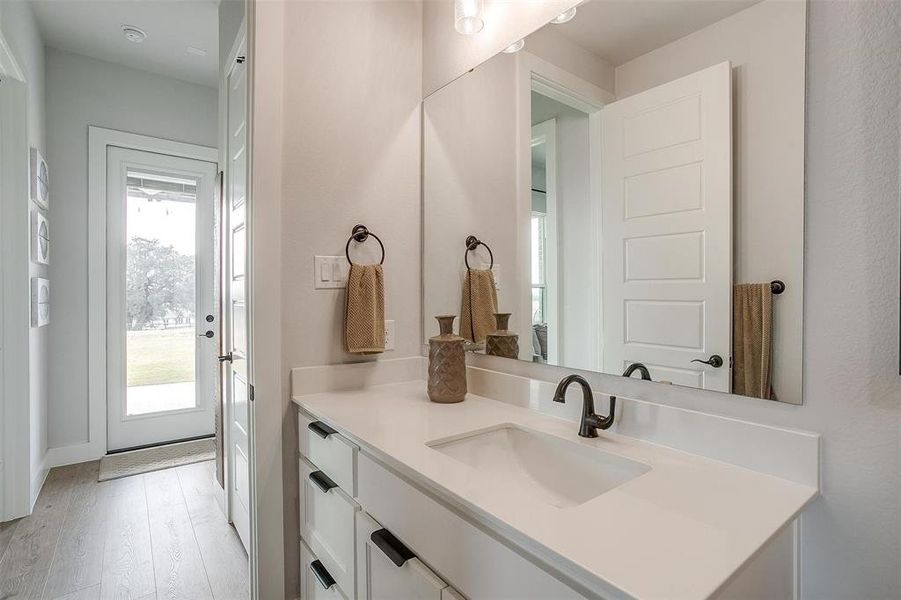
[{"x": 559, "y": 472}]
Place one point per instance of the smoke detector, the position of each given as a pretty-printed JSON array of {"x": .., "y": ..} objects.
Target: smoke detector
[{"x": 133, "y": 34}]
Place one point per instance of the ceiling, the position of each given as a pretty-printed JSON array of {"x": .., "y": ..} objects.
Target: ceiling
[
  {"x": 94, "y": 28},
  {"x": 620, "y": 30}
]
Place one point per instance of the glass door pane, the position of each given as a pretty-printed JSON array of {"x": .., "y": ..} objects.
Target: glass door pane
[{"x": 160, "y": 293}]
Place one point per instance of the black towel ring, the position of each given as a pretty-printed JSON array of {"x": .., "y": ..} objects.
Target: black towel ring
[
  {"x": 777, "y": 286},
  {"x": 472, "y": 242},
  {"x": 360, "y": 234}
]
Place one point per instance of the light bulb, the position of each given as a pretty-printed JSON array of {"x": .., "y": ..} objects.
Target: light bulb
[
  {"x": 564, "y": 17},
  {"x": 468, "y": 16},
  {"x": 514, "y": 47}
]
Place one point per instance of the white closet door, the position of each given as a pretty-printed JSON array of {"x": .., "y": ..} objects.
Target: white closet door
[
  {"x": 667, "y": 229},
  {"x": 236, "y": 358}
]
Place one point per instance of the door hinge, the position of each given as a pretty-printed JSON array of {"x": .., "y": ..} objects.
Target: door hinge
[
  {"x": 250, "y": 392},
  {"x": 241, "y": 59}
]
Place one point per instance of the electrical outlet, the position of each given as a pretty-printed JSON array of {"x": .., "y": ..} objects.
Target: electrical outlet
[{"x": 389, "y": 335}]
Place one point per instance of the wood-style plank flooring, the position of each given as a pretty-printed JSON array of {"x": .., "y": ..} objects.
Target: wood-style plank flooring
[{"x": 155, "y": 536}]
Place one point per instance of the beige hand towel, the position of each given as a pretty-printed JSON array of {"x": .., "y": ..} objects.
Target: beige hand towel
[
  {"x": 752, "y": 340},
  {"x": 479, "y": 305},
  {"x": 364, "y": 310}
]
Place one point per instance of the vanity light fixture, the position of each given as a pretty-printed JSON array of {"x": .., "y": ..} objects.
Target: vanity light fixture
[
  {"x": 564, "y": 17},
  {"x": 514, "y": 47},
  {"x": 133, "y": 34},
  {"x": 468, "y": 16}
]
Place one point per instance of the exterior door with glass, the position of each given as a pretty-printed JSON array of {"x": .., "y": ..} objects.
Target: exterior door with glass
[{"x": 161, "y": 304}]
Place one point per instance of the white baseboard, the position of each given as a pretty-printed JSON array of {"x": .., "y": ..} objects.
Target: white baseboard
[
  {"x": 37, "y": 482},
  {"x": 70, "y": 455}
]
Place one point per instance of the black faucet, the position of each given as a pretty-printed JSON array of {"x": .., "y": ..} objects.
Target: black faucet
[
  {"x": 590, "y": 422},
  {"x": 645, "y": 374}
]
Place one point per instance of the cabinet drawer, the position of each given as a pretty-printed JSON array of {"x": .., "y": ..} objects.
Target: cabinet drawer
[
  {"x": 316, "y": 583},
  {"x": 388, "y": 570},
  {"x": 327, "y": 524},
  {"x": 328, "y": 450},
  {"x": 439, "y": 534}
]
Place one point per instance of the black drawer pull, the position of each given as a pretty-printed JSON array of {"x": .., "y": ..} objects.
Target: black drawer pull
[
  {"x": 393, "y": 548},
  {"x": 325, "y": 578},
  {"x": 321, "y": 429},
  {"x": 322, "y": 481}
]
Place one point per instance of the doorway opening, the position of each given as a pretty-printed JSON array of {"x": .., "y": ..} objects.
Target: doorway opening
[{"x": 564, "y": 208}]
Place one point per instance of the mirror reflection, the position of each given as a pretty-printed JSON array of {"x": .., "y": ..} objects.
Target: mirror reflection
[{"x": 627, "y": 187}]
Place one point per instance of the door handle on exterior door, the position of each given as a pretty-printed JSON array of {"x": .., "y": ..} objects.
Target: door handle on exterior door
[
  {"x": 208, "y": 334},
  {"x": 226, "y": 358},
  {"x": 715, "y": 361}
]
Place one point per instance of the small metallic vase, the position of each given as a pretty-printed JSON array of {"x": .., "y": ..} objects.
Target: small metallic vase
[
  {"x": 447, "y": 364},
  {"x": 502, "y": 342}
]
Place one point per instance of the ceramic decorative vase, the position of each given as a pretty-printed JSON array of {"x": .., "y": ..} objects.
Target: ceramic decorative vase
[
  {"x": 447, "y": 364},
  {"x": 502, "y": 342}
]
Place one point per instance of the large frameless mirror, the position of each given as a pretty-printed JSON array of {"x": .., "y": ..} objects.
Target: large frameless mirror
[{"x": 629, "y": 187}]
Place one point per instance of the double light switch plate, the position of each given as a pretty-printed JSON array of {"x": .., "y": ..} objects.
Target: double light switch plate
[{"x": 330, "y": 272}]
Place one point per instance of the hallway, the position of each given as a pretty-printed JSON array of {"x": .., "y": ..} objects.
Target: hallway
[{"x": 157, "y": 535}]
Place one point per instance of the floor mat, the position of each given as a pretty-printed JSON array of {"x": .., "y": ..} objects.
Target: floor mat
[{"x": 123, "y": 464}]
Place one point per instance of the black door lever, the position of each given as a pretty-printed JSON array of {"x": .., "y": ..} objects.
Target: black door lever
[{"x": 715, "y": 361}]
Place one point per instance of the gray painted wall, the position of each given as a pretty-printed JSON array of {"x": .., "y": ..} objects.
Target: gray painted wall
[
  {"x": 21, "y": 32},
  {"x": 81, "y": 92}
]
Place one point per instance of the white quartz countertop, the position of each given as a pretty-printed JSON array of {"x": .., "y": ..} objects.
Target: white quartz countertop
[{"x": 679, "y": 530}]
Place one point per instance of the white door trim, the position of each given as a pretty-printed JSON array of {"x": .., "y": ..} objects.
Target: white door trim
[
  {"x": 264, "y": 308},
  {"x": 99, "y": 139},
  {"x": 15, "y": 426}
]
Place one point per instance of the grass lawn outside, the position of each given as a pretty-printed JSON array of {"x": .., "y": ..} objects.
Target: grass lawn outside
[{"x": 158, "y": 356}]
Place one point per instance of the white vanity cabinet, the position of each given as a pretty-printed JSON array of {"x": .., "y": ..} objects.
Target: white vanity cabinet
[
  {"x": 371, "y": 532},
  {"x": 346, "y": 552},
  {"x": 327, "y": 523},
  {"x": 327, "y": 509},
  {"x": 388, "y": 570},
  {"x": 316, "y": 582}
]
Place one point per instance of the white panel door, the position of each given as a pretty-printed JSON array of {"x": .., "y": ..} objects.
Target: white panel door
[
  {"x": 667, "y": 229},
  {"x": 237, "y": 387}
]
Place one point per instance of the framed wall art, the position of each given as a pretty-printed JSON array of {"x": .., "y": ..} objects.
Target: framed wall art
[
  {"x": 39, "y": 188},
  {"x": 40, "y": 238},
  {"x": 40, "y": 301}
]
